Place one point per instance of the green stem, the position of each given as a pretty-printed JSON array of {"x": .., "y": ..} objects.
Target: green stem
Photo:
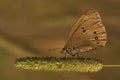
[{"x": 111, "y": 65}]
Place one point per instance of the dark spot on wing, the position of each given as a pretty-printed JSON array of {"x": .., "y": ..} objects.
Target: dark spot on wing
[
  {"x": 96, "y": 38},
  {"x": 85, "y": 20},
  {"x": 94, "y": 32},
  {"x": 97, "y": 42},
  {"x": 82, "y": 28},
  {"x": 84, "y": 31}
]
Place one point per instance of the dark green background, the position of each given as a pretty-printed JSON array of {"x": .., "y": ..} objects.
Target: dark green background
[{"x": 31, "y": 27}]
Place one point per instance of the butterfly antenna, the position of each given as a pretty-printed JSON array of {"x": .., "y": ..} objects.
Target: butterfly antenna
[{"x": 54, "y": 49}]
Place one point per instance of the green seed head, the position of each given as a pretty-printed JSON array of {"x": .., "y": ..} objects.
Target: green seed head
[{"x": 59, "y": 64}]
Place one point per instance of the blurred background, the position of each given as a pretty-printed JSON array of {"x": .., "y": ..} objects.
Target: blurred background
[{"x": 31, "y": 27}]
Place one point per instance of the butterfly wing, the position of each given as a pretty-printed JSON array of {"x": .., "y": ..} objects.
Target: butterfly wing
[{"x": 88, "y": 33}]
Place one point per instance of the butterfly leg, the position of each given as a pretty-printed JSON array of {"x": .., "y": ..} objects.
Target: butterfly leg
[
  {"x": 65, "y": 55},
  {"x": 77, "y": 55}
]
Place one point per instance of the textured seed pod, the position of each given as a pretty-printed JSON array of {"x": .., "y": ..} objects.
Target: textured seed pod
[{"x": 59, "y": 64}]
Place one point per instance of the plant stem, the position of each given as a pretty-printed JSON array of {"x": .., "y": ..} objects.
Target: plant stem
[{"x": 111, "y": 65}]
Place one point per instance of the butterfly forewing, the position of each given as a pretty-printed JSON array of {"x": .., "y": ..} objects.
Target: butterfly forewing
[{"x": 88, "y": 33}]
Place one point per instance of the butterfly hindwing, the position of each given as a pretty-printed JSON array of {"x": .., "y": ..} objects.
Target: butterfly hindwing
[{"x": 88, "y": 33}]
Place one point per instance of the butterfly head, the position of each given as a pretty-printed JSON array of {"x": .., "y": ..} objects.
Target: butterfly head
[{"x": 63, "y": 51}]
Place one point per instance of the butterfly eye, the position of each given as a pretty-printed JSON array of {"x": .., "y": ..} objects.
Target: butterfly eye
[{"x": 63, "y": 49}]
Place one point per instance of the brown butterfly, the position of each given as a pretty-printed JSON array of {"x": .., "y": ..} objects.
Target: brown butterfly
[{"x": 87, "y": 34}]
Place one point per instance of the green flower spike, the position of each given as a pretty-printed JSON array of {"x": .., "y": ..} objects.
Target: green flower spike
[{"x": 60, "y": 64}]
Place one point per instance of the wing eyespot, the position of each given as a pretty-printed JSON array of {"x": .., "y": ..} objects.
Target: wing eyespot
[{"x": 96, "y": 38}]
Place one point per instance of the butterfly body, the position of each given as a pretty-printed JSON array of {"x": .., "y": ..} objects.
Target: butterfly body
[
  {"x": 70, "y": 51},
  {"x": 87, "y": 34}
]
